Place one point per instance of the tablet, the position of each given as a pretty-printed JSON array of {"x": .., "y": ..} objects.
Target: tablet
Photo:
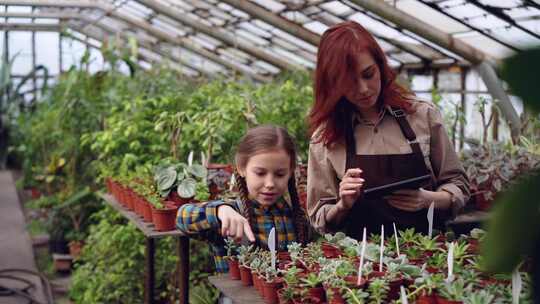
[{"x": 411, "y": 183}]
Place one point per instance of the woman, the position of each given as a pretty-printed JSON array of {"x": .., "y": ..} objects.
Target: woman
[{"x": 367, "y": 131}]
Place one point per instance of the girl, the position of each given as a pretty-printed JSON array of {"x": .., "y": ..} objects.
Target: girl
[{"x": 265, "y": 162}]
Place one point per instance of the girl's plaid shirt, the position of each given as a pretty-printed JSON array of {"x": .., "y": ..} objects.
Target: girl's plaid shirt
[{"x": 201, "y": 220}]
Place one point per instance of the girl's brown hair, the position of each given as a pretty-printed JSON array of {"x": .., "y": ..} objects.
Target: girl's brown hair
[
  {"x": 335, "y": 75},
  {"x": 268, "y": 138}
]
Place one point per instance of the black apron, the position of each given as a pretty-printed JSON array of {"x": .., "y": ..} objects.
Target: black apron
[{"x": 378, "y": 170}]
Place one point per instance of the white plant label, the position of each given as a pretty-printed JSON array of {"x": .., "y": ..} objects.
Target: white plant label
[
  {"x": 382, "y": 249},
  {"x": 203, "y": 159},
  {"x": 403, "y": 295},
  {"x": 232, "y": 182},
  {"x": 272, "y": 246},
  {"x": 450, "y": 262},
  {"x": 362, "y": 252},
  {"x": 516, "y": 286},
  {"x": 430, "y": 219},
  {"x": 395, "y": 236},
  {"x": 190, "y": 158}
]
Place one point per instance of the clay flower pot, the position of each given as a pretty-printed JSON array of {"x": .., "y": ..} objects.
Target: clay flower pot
[
  {"x": 234, "y": 270},
  {"x": 270, "y": 291},
  {"x": 245, "y": 276},
  {"x": 164, "y": 219},
  {"x": 146, "y": 210},
  {"x": 317, "y": 294},
  {"x": 75, "y": 248},
  {"x": 330, "y": 251},
  {"x": 177, "y": 200}
]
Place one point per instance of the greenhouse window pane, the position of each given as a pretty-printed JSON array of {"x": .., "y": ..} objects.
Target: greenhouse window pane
[
  {"x": 47, "y": 54},
  {"x": 20, "y": 45},
  {"x": 72, "y": 51}
]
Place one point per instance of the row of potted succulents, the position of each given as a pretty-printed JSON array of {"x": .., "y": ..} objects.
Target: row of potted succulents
[
  {"x": 327, "y": 271},
  {"x": 157, "y": 198}
]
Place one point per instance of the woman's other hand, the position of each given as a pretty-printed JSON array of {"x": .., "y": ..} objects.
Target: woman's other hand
[{"x": 415, "y": 200}]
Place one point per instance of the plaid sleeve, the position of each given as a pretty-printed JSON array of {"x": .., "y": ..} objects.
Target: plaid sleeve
[{"x": 197, "y": 218}]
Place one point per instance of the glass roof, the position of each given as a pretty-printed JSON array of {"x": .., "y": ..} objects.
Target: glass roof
[{"x": 210, "y": 36}]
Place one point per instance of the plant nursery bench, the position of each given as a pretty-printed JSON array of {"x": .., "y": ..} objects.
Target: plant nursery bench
[
  {"x": 150, "y": 235},
  {"x": 234, "y": 290}
]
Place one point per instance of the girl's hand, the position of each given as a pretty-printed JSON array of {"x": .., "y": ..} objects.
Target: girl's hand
[
  {"x": 411, "y": 200},
  {"x": 233, "y": 224},
  {"x": 350, "y": 188}
]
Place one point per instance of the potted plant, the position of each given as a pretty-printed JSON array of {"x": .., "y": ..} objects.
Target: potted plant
[
  {"x": 245, "y": 255},
  {"x": 232, "y": 261},
  {"x": 163, "y": 215},
  {"x": 313, "y": 283},
  {"x": 218, "y": 178},
  {"x": 178, "y": 182}
]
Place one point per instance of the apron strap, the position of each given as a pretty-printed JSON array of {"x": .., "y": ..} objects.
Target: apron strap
[{"x": 406, "y": 129}]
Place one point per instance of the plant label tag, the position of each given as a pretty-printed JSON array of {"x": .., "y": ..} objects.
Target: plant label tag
[
  {"x": 430, "y": 219},
  {"x": 362, "y": 252},
  {"x": 450, "y": 261},
  {"x": 382, "y": 249},
  {"x": 272, "y": 246},
  {"x": 403, "y": 295},
  {"x": 190, "y": 158},
  {"x": 516, "y": 286},
  {"x": 396, "y": 237}
]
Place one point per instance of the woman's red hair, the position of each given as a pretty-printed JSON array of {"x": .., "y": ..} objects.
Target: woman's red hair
[{"x": 336, "y": 74}]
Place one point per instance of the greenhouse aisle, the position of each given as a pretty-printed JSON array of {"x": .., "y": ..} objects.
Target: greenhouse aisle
[{"x": 16, "y": 247}]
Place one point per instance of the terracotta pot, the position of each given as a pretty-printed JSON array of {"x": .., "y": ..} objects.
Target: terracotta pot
[
  {"x": 35, "y": 193},
  {"x": 245, "y": 276},
  {"x": 164, "y": 219},
  {"x": 137, "y": 204},
  {"x": 394, "y": 291},
  {"x": 75, "y": 248},
  {"x": 352, "y": 281},
  {"x": 257, "y": 282},
  {"x": 281, "y": 297},
  {"x": 426, "y": 299},
  {"x": 270, "y": 291},
  {"x": 177, "y": 200},
  {"x": 146, "y": 210},
  {"x": 317, "y": 294},
  {"x": 234, "y": 270},
  {"x": 376, "y": 274},
  {"x": 481, "y": 202},
  {"x": 335, "y": 297},
  {"x": 129, "y": 203},
  {"x": 330, "y": 251},
  {"x": 62, "y": 262},
  {"x": 441, "y": 300}
]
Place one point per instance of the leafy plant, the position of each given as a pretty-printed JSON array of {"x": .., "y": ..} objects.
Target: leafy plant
[{"x": 180, "y": 177}]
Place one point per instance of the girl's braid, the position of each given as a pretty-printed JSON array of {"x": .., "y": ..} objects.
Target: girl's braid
[
  {"x": 298, "y": 214},
  {"x": 244, "y": 198}
]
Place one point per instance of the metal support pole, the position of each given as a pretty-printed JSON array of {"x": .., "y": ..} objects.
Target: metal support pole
[
  {"x": 149, "y": 278},
  {"x": 463, "y": 107},
  {"x": 494, "y": 86},
  {"x": 183, "y": 254}
]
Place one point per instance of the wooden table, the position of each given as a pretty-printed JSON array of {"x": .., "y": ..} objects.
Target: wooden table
[
  {"x": 150, "y": 235},
  {"x": 234, "y": 290}
]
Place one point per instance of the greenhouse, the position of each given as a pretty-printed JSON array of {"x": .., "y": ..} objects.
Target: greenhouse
[{"x": 269, "y": 151}]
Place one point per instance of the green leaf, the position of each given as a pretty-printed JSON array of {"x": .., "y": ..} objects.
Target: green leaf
[
  {"x": 514, "y": 227},
  {"x": 197, "y": 170},
  {"x": 187, "y": 187},
  {"x": 520, "y": 71},
  {"x": 166, "y": 179}
]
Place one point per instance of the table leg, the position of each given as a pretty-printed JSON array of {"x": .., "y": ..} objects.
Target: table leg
[
  {"x": 149, "y": 277},
  {"x": 183, "y": 254}
]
